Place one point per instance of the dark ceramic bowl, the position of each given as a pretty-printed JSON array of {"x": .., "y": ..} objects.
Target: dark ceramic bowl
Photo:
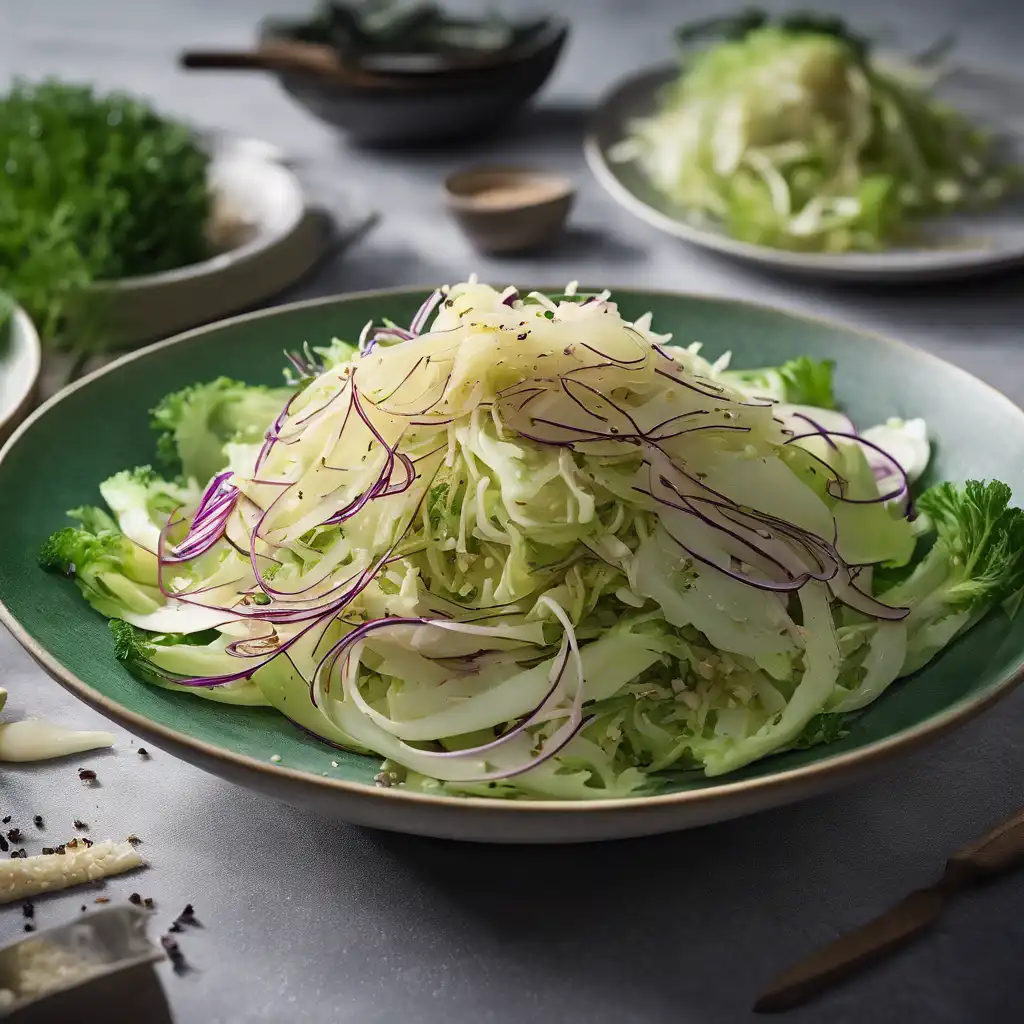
[{"x": 418, "y": 109}]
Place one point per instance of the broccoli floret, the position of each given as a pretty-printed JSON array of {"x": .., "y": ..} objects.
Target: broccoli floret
[
  {"x": 801, "y": 381},
  {"x": 60, "y": 550},
  {"x": 193, "y": 425},
  {"x": 976, "y": 561},
  {"x": 113, "y": 574}
]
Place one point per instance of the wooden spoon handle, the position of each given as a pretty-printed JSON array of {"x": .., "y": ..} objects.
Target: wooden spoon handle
[
  {"x": 304, "y": 58},
  {"x": 1000, "y": 850},
  {"x": 226, "y": 60}
]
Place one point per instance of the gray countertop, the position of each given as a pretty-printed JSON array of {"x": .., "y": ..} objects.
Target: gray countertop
[{"x": 308, "y": 921}]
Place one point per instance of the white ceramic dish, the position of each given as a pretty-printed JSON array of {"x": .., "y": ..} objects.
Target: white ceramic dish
[
  {"x": 281, "y": 240},
  {"x": 20, "y": 364},
  {"x": 963, "y": 245}
]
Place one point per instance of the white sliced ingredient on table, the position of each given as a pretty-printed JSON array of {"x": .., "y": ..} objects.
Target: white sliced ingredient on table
[
  {"x": 22, "y": 877},
  {"x": 33, "y": 739}
]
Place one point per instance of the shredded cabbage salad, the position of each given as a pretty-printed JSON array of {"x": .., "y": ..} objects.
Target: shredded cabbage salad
[
  {"x": 535, "y": 550},
  {"x": 791, "y": 135}
]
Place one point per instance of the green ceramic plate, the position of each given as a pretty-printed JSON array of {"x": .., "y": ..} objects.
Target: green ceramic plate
[{"x": 99, "y": 426}]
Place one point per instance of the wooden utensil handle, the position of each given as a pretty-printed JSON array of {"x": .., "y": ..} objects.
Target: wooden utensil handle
[
  {"x": 301, "y": 58},
  {"x": 224, "y": 59},
  {"x": 254, "y": 60},
  {"x": 999, "y": 850}
]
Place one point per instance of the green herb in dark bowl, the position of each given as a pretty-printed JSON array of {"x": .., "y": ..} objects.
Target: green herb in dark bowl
[
  {"x": 373, "y": 28},
  {"x": 95, "y": 188}
]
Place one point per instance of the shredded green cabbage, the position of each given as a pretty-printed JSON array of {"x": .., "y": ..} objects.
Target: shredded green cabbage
[
  {"x": 794, "y": 137},
  {"x": 537, "y": 551}
]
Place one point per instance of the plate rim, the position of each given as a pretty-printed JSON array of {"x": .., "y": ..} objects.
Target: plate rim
[
  {"x": 23, "y": 324},
  {"x": 891, "y": 264},
  {"x": 833, "y": 769}
]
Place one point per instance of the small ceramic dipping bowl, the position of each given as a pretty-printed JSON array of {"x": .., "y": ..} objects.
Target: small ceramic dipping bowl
[{"x": 509, "y": 209}]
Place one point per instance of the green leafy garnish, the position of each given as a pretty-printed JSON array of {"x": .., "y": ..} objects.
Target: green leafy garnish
[
  {"x": 822, "y": 729},
  {"x": 800, "y": 381},
  {"x": 95, "y": 188},
  {"x": 975, "y": 562},
  {"x": 366, "y": 27}
]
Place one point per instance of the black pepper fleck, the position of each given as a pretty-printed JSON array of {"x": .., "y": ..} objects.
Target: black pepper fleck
[
  {"x": 29, "y": 926},
  {"x": 187, "y": 916},
  {"x": 28, "y": 909},
  {"x": 4, "y": 846},
  {"x": 174, "y": 954},
  {"x": 38, "y": 821},
  {"x": 14, "y": 834},
  {"x": 6, "y": 819},
  {"x": 134, "y": 839},
  {"x": 86, "y": 774},
  {"x": 136, "y": 899},
  {"x": 48, "y": 850},
  {"x": 79, "y": 824},
  {"x": 143, "y": 752},
  {"x": 148, "y": 903}
]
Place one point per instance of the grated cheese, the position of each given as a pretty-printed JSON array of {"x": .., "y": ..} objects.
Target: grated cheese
[
  {"x": 22, "y": 877},
  {"x": 41, "y": 967}
]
